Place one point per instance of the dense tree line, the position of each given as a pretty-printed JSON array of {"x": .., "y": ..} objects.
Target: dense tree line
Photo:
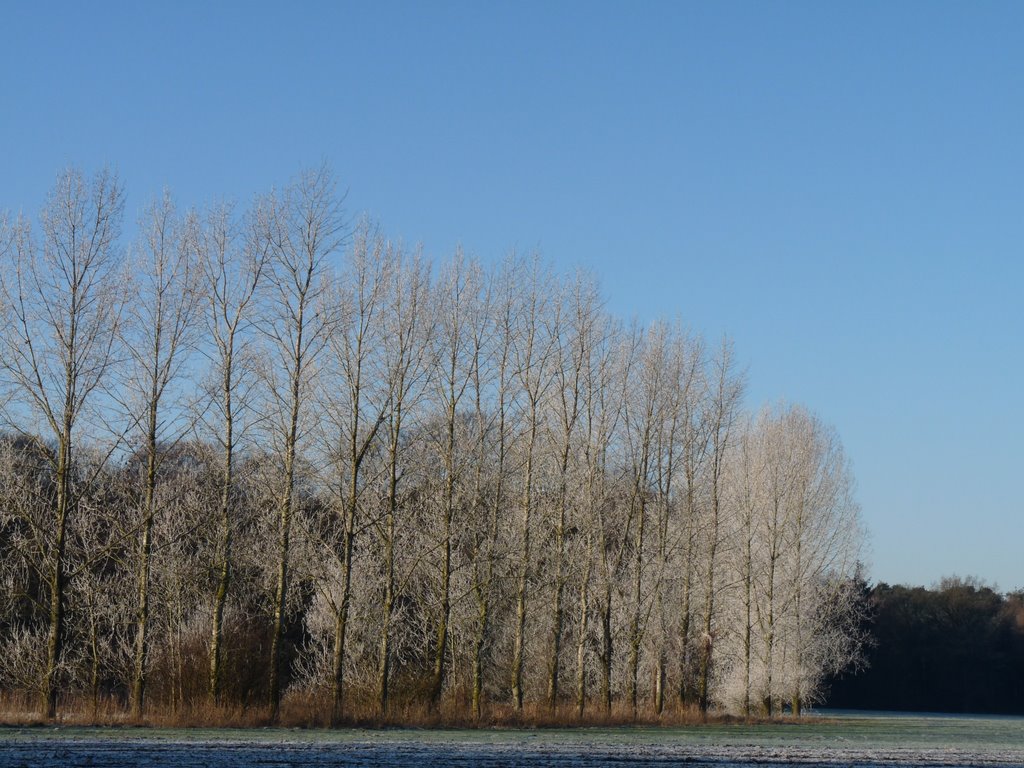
[
  {"x": 958, "y": 647},
  {"x": 269, "y": 456}
]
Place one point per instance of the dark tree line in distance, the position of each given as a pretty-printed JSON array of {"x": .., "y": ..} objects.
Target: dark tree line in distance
[{"x": 958, "y": 647}]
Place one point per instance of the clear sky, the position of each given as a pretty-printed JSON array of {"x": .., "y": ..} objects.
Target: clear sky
[{"x": 839, "y": 187}]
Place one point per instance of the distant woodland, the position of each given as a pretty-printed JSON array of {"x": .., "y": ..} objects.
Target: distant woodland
[
  {"x": 958, "y": 647},
  {"x": 267, "y": 460}
]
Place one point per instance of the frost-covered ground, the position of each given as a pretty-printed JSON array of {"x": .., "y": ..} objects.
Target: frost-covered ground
[{"x": 846, "y": 741}]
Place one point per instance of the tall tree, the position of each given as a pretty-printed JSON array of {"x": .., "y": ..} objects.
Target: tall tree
[
  {"x": 492, "y": 373},
  {"x": 354, "y": 402},
  {"x": 303, "y": 227},
  {"x": 532, "y": 352},
  {"x": 642, "y": 420},
  {"x": 822, "y": 562},
  {"x": 458, "y": 292},
  {"x": 158, "y": 336},
  {"x": 232, "y": 262},
  {"x": 577, "y": 314},
  {"x": 598, "y": 416},
  {"x": 407, "y": 327},
  {"x": 62, "y": 298},
  {"x": 683, "y": 359},
  {"x": 608, "y": 386},
  {"x": 721, "y": 404}
]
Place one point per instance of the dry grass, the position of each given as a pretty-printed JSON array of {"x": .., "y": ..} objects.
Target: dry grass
[{"x": 314, "y": 712}]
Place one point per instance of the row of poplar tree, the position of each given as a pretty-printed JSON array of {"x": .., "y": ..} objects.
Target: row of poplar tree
[{"x": 269, "y": 456}]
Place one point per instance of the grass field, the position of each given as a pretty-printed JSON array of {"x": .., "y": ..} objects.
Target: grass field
[{"x": 842, "y": 740}]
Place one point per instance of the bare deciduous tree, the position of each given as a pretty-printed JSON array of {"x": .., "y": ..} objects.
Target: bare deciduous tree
[
  {"x": 62, "y": 302},
  {"x": 232, "y": 263},
  {"x": 304, "y": 226},
  {"x": 407, "y": 364},
  {"x": 721, "y": 403},
  {"x": 354, "y": 400},
  {"x": 532, "y": 353},
  {"x": 574, "y": 334},
  {"x": 158, "y": 336}
]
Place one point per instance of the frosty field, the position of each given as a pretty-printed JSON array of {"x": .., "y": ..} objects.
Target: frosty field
[{"x": 849, "y": 740}]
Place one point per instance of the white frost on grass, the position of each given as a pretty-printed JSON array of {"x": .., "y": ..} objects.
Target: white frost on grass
[
  {"x": 149, "y": 753},
  {"x": 852, "y": 742}
]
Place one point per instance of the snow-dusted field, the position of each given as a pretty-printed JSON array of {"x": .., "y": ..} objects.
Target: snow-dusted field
[{"x": 846, "y": 741}]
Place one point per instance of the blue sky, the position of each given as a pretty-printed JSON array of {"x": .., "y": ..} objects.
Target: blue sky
[{"x": 839, "y": 187}]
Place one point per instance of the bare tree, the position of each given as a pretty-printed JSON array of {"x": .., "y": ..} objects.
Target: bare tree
[
  {"x": 607, "y": 381},
  {"x": 232, "y": 264},
  {"x": 354, "y": 403},
  {"x": 642, "y": 420},
  {"x": 492, "y": 372},
  {"x": 458, "y": 292},
  {"x": 745, "y": 486},
  {"x": 696, "y": 442},
  {"x": 722, "y": 402},
  {"x": 575, "y": 324},
  {"x": 62, "y": 302},
  {"x": 303, "y": 228},
  {"x": 682, "y": 364},
  {"x": 799, "y": 536},
  {"x": 159, "y": 335},
  {"x": 532, "y": 353},
  {"x": 825, "y": 549},
  {"x": 407, "y": 365}
]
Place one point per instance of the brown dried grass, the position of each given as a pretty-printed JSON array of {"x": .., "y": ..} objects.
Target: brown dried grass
[{"x": 309, "y": 711}]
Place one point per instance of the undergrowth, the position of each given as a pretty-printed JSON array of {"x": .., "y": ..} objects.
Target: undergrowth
[{"x": 312, "y": 712}]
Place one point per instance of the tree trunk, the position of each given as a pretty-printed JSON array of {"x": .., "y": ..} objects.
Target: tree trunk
[
  {"x": 581, "y": 645},
  {"x": 441, "y": 649},
  {"x": 341, "y": 623},
  {"x": 518, "y": 649},
  {"x": 224, "y": 567},
  {"x": 384, "y": 658},
  {"x": 635, "y": 637},
  {"x": 281, "y": 589},
  {"x": 559, "y": 580},
  {"x": 58, "y": 576},
  {"x": 607, "y": 647},
  {"x": 145, "y": 561}
]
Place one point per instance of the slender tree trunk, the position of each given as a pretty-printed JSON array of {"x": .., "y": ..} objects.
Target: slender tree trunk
[
  {"x": 581, "y": 643},
  {"x": 665, "y": 490},
  {"x": 384, "y": 659},
  {"x": 607, "y": 647},
  {"x": 482, "y": 587},
  {"x": 94, "y": 654},
  {"x": 341, "y": 623},
  {"x": 284, "y": 525},
  {"x": 747, "y": 627},
  {"x": 557, "y": 619},
  {"x": 142, "y": 619},
  {"x": 479, "y": 640},
  {"x": 703, "y": 681},
  {"x": 518, "y": 646},
  {"x": 441, "y": 649},
  {"x": 224, "y": 550},
  {"x": 384, "y": 653},
  {"x": 58, "y": 579},
  {"x": 145, "y": 562},
  {"x": 357, "y": 448},
  {"x": 55, "y": 637},
  {"x": 799, "y": 580},
  {"x": 635, "y": 635},
  {"x": 769, "y": 640}
]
